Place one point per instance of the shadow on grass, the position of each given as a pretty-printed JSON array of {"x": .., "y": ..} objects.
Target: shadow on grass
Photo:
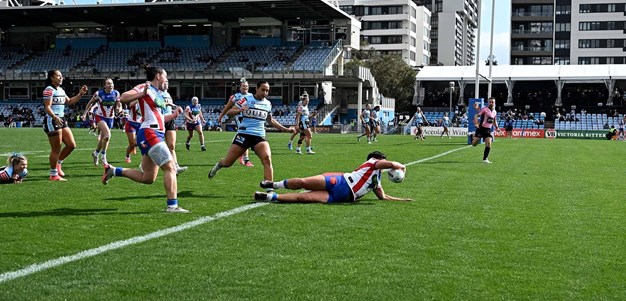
[{"x": 65, "y": 212}]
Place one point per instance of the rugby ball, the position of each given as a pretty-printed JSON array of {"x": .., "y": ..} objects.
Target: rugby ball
[{"x": 396, "y": 175}]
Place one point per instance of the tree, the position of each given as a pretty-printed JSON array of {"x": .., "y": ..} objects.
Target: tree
[{"x": 395, "y": 78}]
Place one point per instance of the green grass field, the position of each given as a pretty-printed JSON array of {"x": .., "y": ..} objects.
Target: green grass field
[{"x": 545, "y": 221}]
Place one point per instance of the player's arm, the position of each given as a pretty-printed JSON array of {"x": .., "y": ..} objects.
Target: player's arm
[
  {"x": 47, "y": 107},
  {"x": 187, "y": 115},
  {"x": 380, "y": 193},
  {"x": 201, "y": 117},
  {"x": 134, "y": 94},
  {"x": 89, "y": 104},
  {"x": 476, "y": 119},
  {"x": 228, "y": 106},
  {"x": 175, "y": 112},
  {"x": 279, "y": 126},
  {"x": 384, "y": 164},
  {"x": 76, "y": 98}
]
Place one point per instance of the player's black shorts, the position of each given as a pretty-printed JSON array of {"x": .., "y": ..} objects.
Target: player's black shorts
[
  {"x": 170, "y": 125},
  {"x": 50, "y": 127},
  {"x": 303, "y": 125},
  {"x": 247, "y": 141},
  {"x": 482, "y": 132}
]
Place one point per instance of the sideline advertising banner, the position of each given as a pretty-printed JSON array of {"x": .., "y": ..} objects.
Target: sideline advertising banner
[
  {"x": 578, "y": 134},
  {"x": 437, "y": 131},
  {"x": 523, "y": 133}
]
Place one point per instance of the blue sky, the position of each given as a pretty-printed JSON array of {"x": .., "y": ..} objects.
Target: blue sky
[{"x": 502, "y": 31}]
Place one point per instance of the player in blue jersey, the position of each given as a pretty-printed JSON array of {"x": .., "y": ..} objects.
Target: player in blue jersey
[
  {"x": 194, "y": 121},
  {"x": 445, "y": 123},
  {"x": 256, "y": 110},
  {"x": 304, "y": 124},
  {"x": 243, "y": 92},
  {"x": 107, "y": 102},
  {"x": 54, "y": 123},
  {"x": 335, "y": 187},
  {"x": 15, "y": 170}
]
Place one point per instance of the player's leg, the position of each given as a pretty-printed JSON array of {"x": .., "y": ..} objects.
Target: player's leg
[
  {"x": 198, "y": 129},
  {"x": 105, "y": 137}
]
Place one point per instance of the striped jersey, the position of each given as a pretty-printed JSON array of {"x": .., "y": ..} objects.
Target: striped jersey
[
  {"x": 364, "y": 179},
  {"x": 58, "y": 97}
]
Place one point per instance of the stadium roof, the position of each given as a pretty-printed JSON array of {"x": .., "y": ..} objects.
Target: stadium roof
[
  {"x": 156, "y": 12},
  {"x": 567, "y": 73}
]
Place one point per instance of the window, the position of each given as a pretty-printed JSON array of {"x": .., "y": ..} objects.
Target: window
[
  {"x": 610, "y": 43},
  {"x": 561, "y": 61},
  {"x": 562, "y": 27},
  {"x": 412, "y": 55},
  {"x": 563, "y": 10},
  {"x": 584, "y": 8},
  {"x": 413, "y": 12},
  {"x": 413, "y": 27},
  {"x": 561, "y": 44},
  {"x": 413, "y": 42}
]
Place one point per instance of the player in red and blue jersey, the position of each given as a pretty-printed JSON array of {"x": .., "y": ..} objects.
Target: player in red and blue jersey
[
  {"x": 151, "y": 138},
  {"x": 484, "y": 121},
  {"x": 15, "y": 170},
  {"x": 335, "y": 187},
  {"x": 194, "y": 121},
  {"x": 54, "y": 123},
  {"x": 107, "y": 101},
  {"x": 133, "y": 123}
]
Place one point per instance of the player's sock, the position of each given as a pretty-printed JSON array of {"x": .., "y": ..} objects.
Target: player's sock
[
  {"x": 118, "y": 171},
  {"x": 280, "y": 184},
  {"x": 172, "y": 203},
  {"x": 54, "y": 172},
  {"x": 486, "y": 153}
]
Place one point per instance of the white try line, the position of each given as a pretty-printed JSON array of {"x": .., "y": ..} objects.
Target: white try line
[
  {"x": 437, "y": 156},
  {"x": 38, "y": 267}
]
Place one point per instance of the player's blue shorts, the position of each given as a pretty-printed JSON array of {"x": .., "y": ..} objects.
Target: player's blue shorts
[
  {"x": 108, "y": 121},
  {"x": 146, "y": 138},
  {"x": 131, "y": 126},
  {"x": 338, "y": 189}
]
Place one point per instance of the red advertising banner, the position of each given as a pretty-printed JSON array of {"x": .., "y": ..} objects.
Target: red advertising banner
[{"x": 524, "y": 133}]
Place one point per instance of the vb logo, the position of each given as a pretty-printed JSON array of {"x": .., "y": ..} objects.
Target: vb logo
[{"x": 551, "y": 133}]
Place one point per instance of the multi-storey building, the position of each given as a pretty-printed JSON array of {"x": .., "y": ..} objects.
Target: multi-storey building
[
  {"x": 453, "y": 35},
  {"x": 399, "y": 27},
  {"x": 546, "y": 32}
]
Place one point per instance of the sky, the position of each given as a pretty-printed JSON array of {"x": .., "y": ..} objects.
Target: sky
[{"x": 502, "y": 31}]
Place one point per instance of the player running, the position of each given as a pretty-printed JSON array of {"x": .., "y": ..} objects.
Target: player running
[
  {"x": 194, "y": 120},
  {"x": 151, "y": 138},
  {"x": 107, "y": 102},
  {"x": 243, "y": 92}
]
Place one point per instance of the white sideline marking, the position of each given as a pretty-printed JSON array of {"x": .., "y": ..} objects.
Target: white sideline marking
[
  {"x": 437, "y": 156},
  {"x": 38, "y": 267}
]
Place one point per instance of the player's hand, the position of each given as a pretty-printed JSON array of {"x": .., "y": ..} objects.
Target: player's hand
[
  {"x": 146, "y": 87},
  {"x": 292, "y": 130}
]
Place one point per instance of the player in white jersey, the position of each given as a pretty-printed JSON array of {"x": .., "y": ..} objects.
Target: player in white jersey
[
  {"x": 304, "y": 124},
  {"x": 375, "y": 123},
  {"x": 54, "y": 123},
  {"x": 107, "y": 101},
  {"x": 256, "y": 110},
  {"x": 418, "y": 121},
  {"x": 151, "y": 138},
  {"x": 243, "y": 92},
  {"x": 335, "y": 187},
  {"x": 364, "y": 117},
  {"x": 170, "y": 129},
  {"x": 445, "y": 123}
]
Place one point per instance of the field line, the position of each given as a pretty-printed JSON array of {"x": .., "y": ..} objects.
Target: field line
[
  {"x": 38, "y": 267},
  {"x": 437, "y": 156}
]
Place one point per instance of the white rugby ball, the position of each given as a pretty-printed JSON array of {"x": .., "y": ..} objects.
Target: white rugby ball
[{"x": 396, "y": 175}]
